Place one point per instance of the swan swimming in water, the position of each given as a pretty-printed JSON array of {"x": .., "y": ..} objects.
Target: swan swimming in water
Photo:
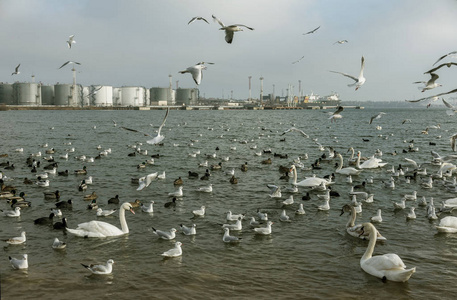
[
  {"x": 386, "y": 266},
  {"x": 103, "y": 229},
  {"x": 347, "y": 170},
  {"x": 353, "y": 229},
  {"x": 309, "y": 181},
  {"x": 448, "y": 225}
]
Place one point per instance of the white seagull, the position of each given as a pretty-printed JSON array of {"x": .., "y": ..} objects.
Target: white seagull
[
  {"x": 378, "y": 116},
  {"x": 174, "y": 252},
  {"x": 297, "y": 130},
  {"x": 58, "y": 244},
  {"x": 71, "y": 41},
  {"x": 17, "y": 240},
  {"x": 227, "y": 238},
  {"x": 69, "y": 62},
  {"x": 166, "y": 235},
  {"x": 19, "y": 263},
  {"x": 452, "y": 54},
  {"x": 196, "y": 72},
  {"x": 101, "y": 269},
  {"x": 264, "y": 230},
  {"x": 188, "y": 230},
  {"x": 359, "y": 81},
  {"x": 145, "y": 181},
  {"x": 199, "y": 212},
  {"x": 197, "y": 18},
  {"x": 230, "y": 30},
  {"x": 431, "y": 84},
  {"x": 341, "y": 42}
]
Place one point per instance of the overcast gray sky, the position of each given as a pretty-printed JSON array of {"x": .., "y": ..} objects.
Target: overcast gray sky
[{"x": 141, "y": 42}]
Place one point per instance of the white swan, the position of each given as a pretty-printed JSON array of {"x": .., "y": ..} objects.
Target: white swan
[
  {"x": 102, "y": 229},
  {"x": 371, "y": 163},
  {"x": 448, "y": 224},
  {"x": 387, "y": 266},
  {"x": 309, "y": 181},
  {"x": 347, "y": 170},
  {"x": 353, "y": 229}
]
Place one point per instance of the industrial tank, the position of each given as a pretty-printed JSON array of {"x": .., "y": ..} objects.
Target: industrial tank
[
  {"x": 133, "y": 96},
  {"x": 27, "y": 93},
  {"x": 6, "y": 94},
  {"x": 101, "y": 95},
  {"x": 63, "y": 95},
  {"x": 117, "y": 96},
  {"x": 160, "y": 94},
  {"x": 47, "y": 94},
  {"x": 186, "y": 96}
]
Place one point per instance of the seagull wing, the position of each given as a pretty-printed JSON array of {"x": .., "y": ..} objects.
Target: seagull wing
[
  {"x": 432, "y": 80},
  {"x": 450, "y": 92},
  {"x": 312, "y": 31},
  {"x": 164, "y": 119},
  {"x": 150, "y": 178},
  {"x": 134, "y": 130},
  {"x": 299, "y": 60},
  {"x": 339, "y": 110},
  {"x": 250, "y": 28},
  {"x": 347, "y": 75},
  {"x": 449, "y": 64},
  {"x": 192, "y": 20},
  {"x": 411, "y": 161},
  {"x": 17, "y": 68},
  {"x": 444, "y": 56},
  {"x": 64, "y": 64},
  {"x": 218, "y": 21},
  {"x": 448, "y": 105},
  {"x": 142, "y": 183},
  {"x": 362, "y": 67}
]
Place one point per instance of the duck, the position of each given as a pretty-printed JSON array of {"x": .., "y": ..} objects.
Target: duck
[
  {"x": 52, "y": 195},
  {"x": 99, "y": 229},
  {"x": 92, "y": 205},
  {"x": 22, "y": 204},
  {"x": 6, "y": 188},
  {"x": 89, "y": 197},
  {"x": 216, "y": 167},
  {"x": 62, "y": 173},
  {"x": 206, "y": 176},
  {"x": 244, "y": 167},
  {"x": 27, "y": 181},
  {"x": 193, "y": 174},
  {"x": 44, "y": 220},
  {"x": 60, "y": 225},
  {"x": 233, "y": 180},
  {"x": 82, "y": 171},
  {"x": 136, "y": 203},
  {"x": 267, "y": 161},
  {"x": 353, "y": 229},
  {"x": 114, "y": 200},
  {"x": 388, "y": 266},
  {"x": 82, "y": 186},
  {"x": 178, "y": 181},
  {"x": 8, "y": 194}
]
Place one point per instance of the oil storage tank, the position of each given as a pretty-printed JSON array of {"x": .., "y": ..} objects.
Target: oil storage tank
[
  {"x": 64, "y": 94},
  {"x": 47, "y": 94},
  {"x": 158, "y": 94},
  {"x": 186, "y": 96},
  {"x": 27, "y": 93},
  {"x": 6, "y": 94},
  {"x": 101, "y": 95},
  {"x": 117, "y": 96},
  {"x": 133, "y": 96}
]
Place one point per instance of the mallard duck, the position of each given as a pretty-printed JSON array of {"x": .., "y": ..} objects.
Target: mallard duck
[
  {"x": 216, "y": 167},
  {"x": 82, "y": 186},
  {"x": 135, "y": 203},
  {"x": 10, "y": 167},
  {"x": 6, "y": 188},
  {"x": 233, "y": 180},
  {"x": 20, "y": 203},
  {"x": 82, "y": 171},
  {"x": 18, "y": 198},
  {"x": 8, "y": 194},
  {"x": 89, "y": 197},
  {"x": 267, "y": 161},
  {"x": 178, "y": 181},
  {"x": 52, "y": 195},
  {"x": 244, "y": 167},
  {"x": 93, "y": 204},
  {"x": 27, "y": 181}
]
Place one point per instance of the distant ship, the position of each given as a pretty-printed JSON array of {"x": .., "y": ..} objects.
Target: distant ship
[{"x": 316, "y": 100}]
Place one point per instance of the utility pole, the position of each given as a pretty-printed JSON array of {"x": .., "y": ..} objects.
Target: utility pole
[{"x": 261, "y": 91}]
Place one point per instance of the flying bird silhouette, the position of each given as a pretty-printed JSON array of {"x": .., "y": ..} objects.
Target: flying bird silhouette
[
  {"x": 312, "y": 31},
  {"x": 231, "y": 29},
  {"x": 360, "y": 80},
  {"x": 16, "y": 71}
]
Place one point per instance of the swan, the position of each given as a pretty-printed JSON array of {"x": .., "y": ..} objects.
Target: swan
[
  {"x": 387, "y": 266},
  {"x": 447, "y": 224},
  {"x": 102, "y": 229},
  {"x": 353, "y": 229},
  {"x": 371, "y": 163},
  {"x": 309, "y": 181},
  {"x": 346, "y": 171}
]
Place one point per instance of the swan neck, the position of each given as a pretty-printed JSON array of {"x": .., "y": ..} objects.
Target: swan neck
[
  {"x": 357, "y": 162},
  {"x": 341, "y": 163},
  {"x": 373, "y": 236},
  {"x": 124, "y": 226},
  {"x": 352, "y": 217},
  {"x": 295, "y": 174}
]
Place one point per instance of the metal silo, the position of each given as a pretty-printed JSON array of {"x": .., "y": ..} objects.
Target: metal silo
[
  {"x": 133, "y": 96},
  {"x": 101, "y": 95},
  {"x": 158, "y": 94},
  {"x": 186, "y": 96},
  {"x": 6, "y": 94},
  {"x": 117, "y": 94},
  {"x": 63, "y": 95},
  {"x": 85, "y": 96},
  {"x": 27, "y": 93},
  {"x": 47, "y": 95}
]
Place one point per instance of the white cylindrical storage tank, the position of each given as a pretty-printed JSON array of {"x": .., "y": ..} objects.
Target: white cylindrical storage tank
[
  {"x": 27, "y": 93},
  {"x": 117, "y": 94},
  {"x": 148, "y": 97},
  {"x": 101, "y": 95},
  {"x": 6, "y": 94},
  {"x": 158, "y": 94},
  {"x": 47, "y": 95},
  {"x": 63, "y": 95},
  {"x": 86, "y": 100},
  {"x": 133, "y": 96},
  {"x": 186, "y": 96}
]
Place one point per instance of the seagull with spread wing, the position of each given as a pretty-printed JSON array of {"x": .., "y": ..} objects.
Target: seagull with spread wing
[
  {"x": 16, "y": 71},
  {"x": 441, "y": 94},
  {"x": 295, "y": 129},
  {"x": 378, "y": 116},
  {"x": 71, "y": 41},
  {"x": 197, "y": 18},
  {"x": 298, "y": 60},
  {"x": 431, "y": 84},
  {"x": 360, "y": 80},
  {"x": 312, "y": 31},
  {"x": 449, "y": 64},
  {"x": 156, "y": 139},
  {"x": 231, "y": 29},
  {"x": 196, "y": 72},
  {"x": 452, "y": 54},
  {"x": 69, "y": 62}
]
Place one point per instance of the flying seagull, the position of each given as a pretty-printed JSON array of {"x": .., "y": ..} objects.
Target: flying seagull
[
  {"x": 312, "y": 31},
  {"x": 16, "y": 71},
  {"x": 452, "y": 110},
  {"x": 449, "y": 64},
  {"x": 69, "y": 62},
  {"x": 341, "y": 42},
  {"x": 431, "y": 84},
  {"x": 71, "y": 41},
  {"x": 359, "y": 81},
  {"x": 378, "y": 116},
  {"x": 336, "y": 114},
  {"x": 196, "y": 72},
  {"x": 230, "y": 30},
  {"x": 297, "y": 130},
  {"x": 156, "y": 139},
  {"x": 299, "y": 60},
  {"x": 450, "y": 92},
  {"x": 453, "y": 53},
  {"x": 197, "y": 18}
]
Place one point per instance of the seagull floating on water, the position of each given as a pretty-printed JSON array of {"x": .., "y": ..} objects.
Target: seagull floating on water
[{"x": 101, "y": 269}]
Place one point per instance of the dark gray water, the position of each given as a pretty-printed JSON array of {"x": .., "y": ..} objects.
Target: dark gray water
[{"x": 310, "y": 257}]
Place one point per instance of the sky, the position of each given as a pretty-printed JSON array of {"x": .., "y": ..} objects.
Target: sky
[{"x": 142, "y": 42}]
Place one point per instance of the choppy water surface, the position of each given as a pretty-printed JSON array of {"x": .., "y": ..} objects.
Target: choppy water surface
[{"x": 310, "y": 257}]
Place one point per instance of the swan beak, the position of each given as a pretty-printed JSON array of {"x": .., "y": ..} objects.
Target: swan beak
[{"x": 131, "y": 210}]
